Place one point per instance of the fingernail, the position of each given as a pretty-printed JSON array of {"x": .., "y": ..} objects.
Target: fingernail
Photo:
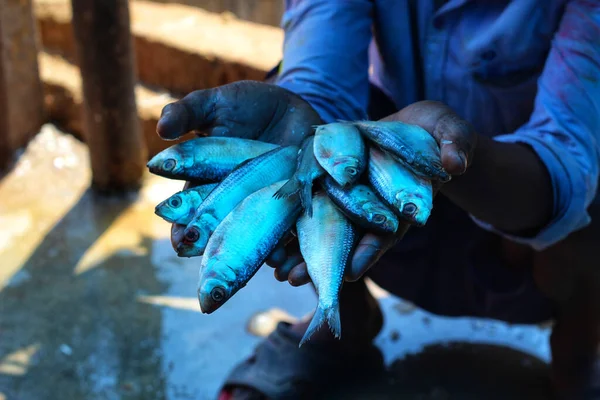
[{"x": 463, "y": 159}]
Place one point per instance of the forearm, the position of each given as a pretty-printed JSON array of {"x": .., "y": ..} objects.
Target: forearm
[
  {"x": 325, "y": 55},
  {"x": 506, "y": 186}
]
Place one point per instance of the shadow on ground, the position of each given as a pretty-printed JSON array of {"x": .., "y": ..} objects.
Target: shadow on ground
[
  {"x": 94, "y": 304},
  {"x": 87, "y": 335},
  {"x": 462, "y": 371}
]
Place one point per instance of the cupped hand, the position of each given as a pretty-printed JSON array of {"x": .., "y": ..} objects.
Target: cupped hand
[
  {"x": 457, "y": 140},
  {"x": 245, "y": 109}
]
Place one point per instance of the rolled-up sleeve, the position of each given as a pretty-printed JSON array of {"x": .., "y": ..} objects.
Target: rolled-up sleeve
[
  {"x": 564, "y": 129},
  {"x": 325, "y": 55}
]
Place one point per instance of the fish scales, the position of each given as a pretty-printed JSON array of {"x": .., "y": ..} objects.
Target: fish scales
[
  {"x": 341, "y": 151},
  {"x": 410, "y": 196},
  {"x": 206, "y": 159},
  {"x": 308, "y": 169},
  {"x": 181, "y": 206},
  {"x": 411, "y": 143},
  {"x": 249, "y": 177},
  {"x": 241, "y": 243},
  {"x": 362, "y": 206},
  {"x": 326, "y": 242}
]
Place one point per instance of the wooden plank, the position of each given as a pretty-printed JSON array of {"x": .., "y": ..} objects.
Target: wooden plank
[
  {"x": 5, "y": 146},
  {"x": 105, "y": 57},
  {"x": 24, "y": 108}
]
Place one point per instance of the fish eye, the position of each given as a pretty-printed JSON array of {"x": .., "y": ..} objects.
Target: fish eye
[
  {"x": 409, "y": 209},
  {"x": 218, "y": 294},
  {"x": 175, "y": 202},
  {"x": 192, "y": 235},
  {"x": 351, "y": 170},
  {"x": 169, "y": 164},
  {"x": 379, "y": 219}
]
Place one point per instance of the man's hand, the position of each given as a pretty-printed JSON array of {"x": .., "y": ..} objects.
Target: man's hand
[
  {"x": 246, "y": 109},
  {"x": 272, "y": 114},
  {"x": 457, "y": 140},
  {"x": 455, "y": 136}
]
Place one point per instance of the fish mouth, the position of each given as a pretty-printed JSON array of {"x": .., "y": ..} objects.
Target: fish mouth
[
  {"x": 184, "y": 250},
  {"x": 211, "y": 296}
]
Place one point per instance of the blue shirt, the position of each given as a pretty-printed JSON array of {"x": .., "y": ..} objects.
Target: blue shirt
[{"x": 520, "y": 71}]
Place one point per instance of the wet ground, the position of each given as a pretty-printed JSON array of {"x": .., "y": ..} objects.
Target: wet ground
[{"x": 94, "y": 304}]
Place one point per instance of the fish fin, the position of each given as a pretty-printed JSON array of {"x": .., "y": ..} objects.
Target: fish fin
[
  {"x": 291, "y": 187},
  {"x": 306, "y": 197},
  {"x": 317, "y": 321},
  {"x": 333, "y": 320}
]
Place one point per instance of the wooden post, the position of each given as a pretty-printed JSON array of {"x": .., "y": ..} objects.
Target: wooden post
[
  {"x": 21, "y": 97},
  {"x": 5, "y": 145},
  {"x": 105, "y": 56}
]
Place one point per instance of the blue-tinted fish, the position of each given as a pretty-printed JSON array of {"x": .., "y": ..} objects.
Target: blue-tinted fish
[
  {"x": 340, "y": 150},
  {"x": 242, "y": 242},
  {"x": 180, "y": 207},
  {"x": 326, "y": 242},
  {"x": 362, "y": 206},
  {"x": 409, "y": 195},
  {"x": 410, "y": 143},
  {"x": 252, "y": 175},
  {"x": 206, "y": 159},
  {"x": 308, "y": 169}
]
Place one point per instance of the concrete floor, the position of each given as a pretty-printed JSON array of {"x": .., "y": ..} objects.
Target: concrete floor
[{"x": 94, "y": 304}]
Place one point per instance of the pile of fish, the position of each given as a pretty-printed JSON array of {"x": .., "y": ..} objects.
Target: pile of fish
[{"x": 246, "y": 195}]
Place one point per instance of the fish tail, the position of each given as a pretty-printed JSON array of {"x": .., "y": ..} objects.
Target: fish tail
[
  {"x": 306, "y": 197},
  {"x": 317, "y": 321},
  {"x": 322, "y": 314},
  {"x": 333, "y": 320},
  {"x": 291, "y": 187}
]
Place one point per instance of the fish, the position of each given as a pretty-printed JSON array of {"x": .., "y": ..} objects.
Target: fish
[
  {"x": 241, "y": 243},
  {"x": 411, "y": 196},
  {"x": 362, "y": 206},
  {"x": 307, "y": 170},
  {"x": 326, "y": 242},
  {"x": 205, "y": 159},
  {"x": 256, "y": 173},
  {"x": 410, "y": 143},
  {"x": 180, "y": 207},
  {"x": 341, "y": 151}
]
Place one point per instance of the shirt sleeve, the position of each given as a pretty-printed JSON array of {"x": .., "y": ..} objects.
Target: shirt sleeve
[
  {"x": 564, "y": 129},
  {"x": 325, "y": 55}
]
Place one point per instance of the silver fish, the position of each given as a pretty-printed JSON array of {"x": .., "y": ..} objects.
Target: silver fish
[
  {"x": 242, "y": 242},
  {"x": 326, "y": 242},
  {"x": 410, "y": 195},
  {"x": 206, "y": 159},
  {"x": 252, "y": 175},
  {"x": 340, "y": 150},
  {"x": 180, "y": 207},
  {"x": 307, "y": 170},
  {"x": 410, "y": 143},
  {"x": 362, "y": 206}
]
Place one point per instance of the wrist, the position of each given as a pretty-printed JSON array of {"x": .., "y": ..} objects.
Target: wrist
[{"x": 506, "y": 185}]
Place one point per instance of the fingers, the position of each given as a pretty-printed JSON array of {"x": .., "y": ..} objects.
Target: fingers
[
  {"x": 176, "y": 235},
  {"x": 193, "y": 112},
  {"x": 299, "y": 275},
  {"x": 456, "y": 137},
  {"x": 457, "y": 141},
  {"x": 282, "y": 273},
  {"x": 277, "y": 257},
  {"x": 369, "y": 250}
]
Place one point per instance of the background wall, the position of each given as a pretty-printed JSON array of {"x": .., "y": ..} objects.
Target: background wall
[{"x": 261, "y": 11}]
